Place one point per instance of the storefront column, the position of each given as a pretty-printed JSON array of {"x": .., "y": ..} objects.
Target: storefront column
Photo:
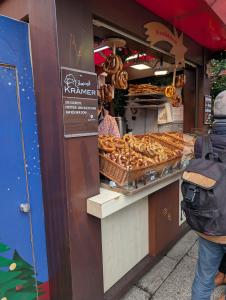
[
  {"x": 204, "y": 88},
  {"x": 75, "y": 42},
  {"x": 70, "y": 170}
]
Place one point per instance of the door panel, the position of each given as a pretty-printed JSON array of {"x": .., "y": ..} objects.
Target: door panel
[
  {"x": 13, "y": 184},
  {"x": 23, "y": 259}
]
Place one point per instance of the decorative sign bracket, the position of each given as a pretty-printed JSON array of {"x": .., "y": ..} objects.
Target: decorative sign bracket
[{"x": 158, "y": 32}]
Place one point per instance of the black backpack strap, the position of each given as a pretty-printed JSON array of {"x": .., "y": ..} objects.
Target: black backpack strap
[{"x": 207, "y": 147}]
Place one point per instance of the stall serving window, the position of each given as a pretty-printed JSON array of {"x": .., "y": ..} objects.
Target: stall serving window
[{"x": 142, "y": 91}]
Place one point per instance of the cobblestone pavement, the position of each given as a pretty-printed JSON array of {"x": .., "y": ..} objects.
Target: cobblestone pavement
[{"x": 172, "y": 277}]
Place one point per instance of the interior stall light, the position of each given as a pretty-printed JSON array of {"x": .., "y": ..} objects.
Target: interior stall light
[
  {"x": 160, "y": 72},
  {"x": 135, "y": 56},
  {"x": 101, "y": 49},
  {"x": 140, "y": 67}
]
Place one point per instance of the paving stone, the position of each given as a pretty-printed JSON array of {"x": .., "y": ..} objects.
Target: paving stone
[
  {"x": 178, "y": 285},
  {"x": 194, "y": 251},
  {"x": 183, "y": 246},
  {"x": 168, "y": 282},
  {"x": 136, "y": 294},
  {"x": 220, "y": 291},
  {"x": 154, "y": 278}
]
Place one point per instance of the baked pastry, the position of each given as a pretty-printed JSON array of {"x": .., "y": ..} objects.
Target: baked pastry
[
  {"x": 106, "y": 92},
  {"x": 170, "y": 91},
  {"x": 145, "y": 88},
  {"x": 176, "y": 101},
  {"x": 121, "y": 80},
  {"x": 134, "y": 152},
  {"x": 113, "y": 64},
  {"x": 169, "y": 139}
]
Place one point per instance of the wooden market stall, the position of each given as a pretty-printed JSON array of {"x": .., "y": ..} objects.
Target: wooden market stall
[{"x": 100, "y": 241}]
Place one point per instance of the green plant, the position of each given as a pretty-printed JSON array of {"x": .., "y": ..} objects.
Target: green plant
[{"x": 217, "y": 79}]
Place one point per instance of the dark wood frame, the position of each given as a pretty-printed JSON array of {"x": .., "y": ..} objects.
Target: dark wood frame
[{"x": 70, "y": 167}]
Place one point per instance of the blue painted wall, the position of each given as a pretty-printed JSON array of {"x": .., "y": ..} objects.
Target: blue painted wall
[{"x": 14, "y": 51}]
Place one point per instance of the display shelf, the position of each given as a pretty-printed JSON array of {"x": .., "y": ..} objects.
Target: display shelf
[
  {"x": 109, "y": 201},
  {"x": 151, "y": 95},
  {"x": 140, "y": 100},
  {"x": 150, "y": 106},
  {"x": 147, "y": 101}
]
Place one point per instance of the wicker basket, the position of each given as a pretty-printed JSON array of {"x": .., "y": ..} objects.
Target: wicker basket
[
  {"x": 182, "y": 139},
  {"x": 170, "y": 141},
  {"x": 121, "y": 175}
]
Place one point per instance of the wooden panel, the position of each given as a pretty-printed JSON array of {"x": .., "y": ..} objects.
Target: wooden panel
[
  {"x": 182, "y": 217},
  {"x": 124, "y": 241},
  {"x": 204, "y": 89},
  {"x": 144, "y": 266},
  {"x": 75, "y": 38},
  {"x": 113, "y": 11},
  {"x": 163, "y": 217},
  {"x": 189, "y": 100},
  {"x": 49, "y": 109},
  {"x": 49, "y": 114}
]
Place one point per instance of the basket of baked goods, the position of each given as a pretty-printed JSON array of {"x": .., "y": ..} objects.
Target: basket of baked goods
[
  {"x": 182, "y": 141},
  {"x": 162, "y": 154},
  {"x": 183, "y": 137},
  {"x": 119, "y": 162},
  {"x": 129, "y": 158},
  {"x": 169, "y": 140}
]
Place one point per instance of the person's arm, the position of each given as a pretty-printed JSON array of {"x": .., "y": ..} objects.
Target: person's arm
[{"x": 113, "y": 127}]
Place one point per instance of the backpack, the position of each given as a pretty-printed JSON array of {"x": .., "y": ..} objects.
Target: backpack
[{"x": 204, "y": 192}]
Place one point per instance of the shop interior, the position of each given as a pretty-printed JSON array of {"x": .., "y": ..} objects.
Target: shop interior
[
  {"x": 143, "y": 90},
  {"x": 139, "y": 106}
]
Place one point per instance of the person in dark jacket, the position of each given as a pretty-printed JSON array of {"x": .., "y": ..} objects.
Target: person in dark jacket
[{"x": 211, "y": 248}]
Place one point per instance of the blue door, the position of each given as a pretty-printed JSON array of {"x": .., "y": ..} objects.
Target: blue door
[{"x": 23, "y": 262}]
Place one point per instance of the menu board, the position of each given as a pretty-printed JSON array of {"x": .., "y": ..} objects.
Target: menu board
[
  {"x": 79, "y": 93},
  {"x": 207, "y": 110}
]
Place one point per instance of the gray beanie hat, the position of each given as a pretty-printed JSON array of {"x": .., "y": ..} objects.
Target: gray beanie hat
[{"x": 219, "y": 109}]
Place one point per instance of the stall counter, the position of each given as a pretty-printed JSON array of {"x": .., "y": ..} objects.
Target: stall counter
[
  {"x": 109, "y": 201},
  {"x": 136, "y": 225}
]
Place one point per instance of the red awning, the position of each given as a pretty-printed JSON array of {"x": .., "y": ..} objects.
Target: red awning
[{"x": 202, "y": 20}]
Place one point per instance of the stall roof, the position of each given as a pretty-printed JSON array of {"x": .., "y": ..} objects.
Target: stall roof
[{"x": 202, "y": 20}]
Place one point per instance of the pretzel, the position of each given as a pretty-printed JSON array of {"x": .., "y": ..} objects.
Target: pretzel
[
  {"x": 121, "y": 80},
  {"x": 135, "y": 152},
  {"x": 106, "y": 144},
  {"x": 112, "y": 64},
  {"x": 127, "y": 137},
  {"x": 170, "y": 91},
  {"x": 119, "y": 144},
  {"x": 108, "y": 92},
  {"x": 176, "y": 101},
  {"x": 120, "y": 63}
]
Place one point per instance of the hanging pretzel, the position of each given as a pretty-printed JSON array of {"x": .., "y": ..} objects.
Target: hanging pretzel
[
  {"x": 170, "y": 90},
  {"x": 112, "y": 64},
  {"x": 121, "y": 81}
]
